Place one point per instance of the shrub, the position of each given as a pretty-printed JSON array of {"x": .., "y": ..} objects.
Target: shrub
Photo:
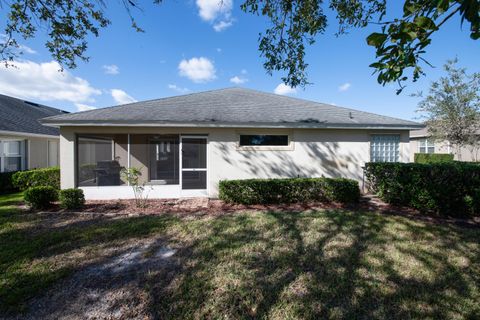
[
  {"x": 272, "y": 191},
  {"x": 432, "y": 157},
  {"x": 71, "y": 198},
  {"x": 6, "y": 185},
  {"x": 449, "y": 188},
  {"x": 40, "y": 197},
  {"x": 37, "y": 177}
]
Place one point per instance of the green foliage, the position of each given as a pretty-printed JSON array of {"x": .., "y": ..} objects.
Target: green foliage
[
  {"x": 37, "y": 177},
  {"x": 40, "y": 197},
  {"x": 452, "y": 107},
  {"x": 6, "y": 184},
  {"x": 272, "y": 191},
  {"x": 448, "y": 188},
  {"x": 71, "y": 198},
  {"x": 432, "y": 157},
  {"x": 132, "y": 176}
]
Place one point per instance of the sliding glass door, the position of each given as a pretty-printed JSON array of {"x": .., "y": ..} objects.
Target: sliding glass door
[{"x": 194, "y": 163}]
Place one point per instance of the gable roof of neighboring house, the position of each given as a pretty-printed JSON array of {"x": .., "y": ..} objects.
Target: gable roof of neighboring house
[
  {"x": 231, "y": 107},
  {"x": 21, "y": 116}
]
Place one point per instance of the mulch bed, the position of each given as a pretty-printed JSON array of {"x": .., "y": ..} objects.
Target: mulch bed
[{"x": 200, "y": 207}]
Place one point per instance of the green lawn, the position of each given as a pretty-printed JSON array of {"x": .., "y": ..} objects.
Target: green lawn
[{"x": 312, "y": 264}]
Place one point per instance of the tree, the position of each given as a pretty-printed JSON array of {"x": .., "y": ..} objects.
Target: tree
[
  {"x": 295, "y": 24},
  {"x": 452, "y": 107}
]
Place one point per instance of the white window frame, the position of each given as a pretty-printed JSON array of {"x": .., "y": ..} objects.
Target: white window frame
[
  {"x": 4, "y": 155},
  {"x": 427, "y": 144},
  {"x": 289, "y": 147},
  {"x": 397, "y": 156}
]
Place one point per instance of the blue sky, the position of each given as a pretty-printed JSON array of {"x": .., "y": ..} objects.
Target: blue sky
[{"x": 181, "y": 52}]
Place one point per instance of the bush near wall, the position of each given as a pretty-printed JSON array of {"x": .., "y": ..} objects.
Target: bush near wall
[
  {"x": 448, "y": 188},
  {"x": 432, "y": 157},
  {"x": 71, "y": 198},
  {"x": 273, "y": 191},
  {"x": 40, "y": 197},
  {"x": 6, "y": 184},
  {"x": 37, "y": 177}
]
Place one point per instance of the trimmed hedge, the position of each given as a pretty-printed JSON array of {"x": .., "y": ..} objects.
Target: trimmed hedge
[
  {"x": 448, "y": 188},
  {"x": 6, "y": 185},
  {"x": 273, "y": 191},
  {"x": 432, "y": 157},
  {"x": 37, "y": 177},
  {"x": 40, "y": 197},
  {"x": 71, "y": 198}
]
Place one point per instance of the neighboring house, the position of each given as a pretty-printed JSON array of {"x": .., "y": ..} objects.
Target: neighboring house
[
  {"x": 185, "y": 145},
  {"x": 24, "y": 142},
  {"x": 421, "y": 142}
]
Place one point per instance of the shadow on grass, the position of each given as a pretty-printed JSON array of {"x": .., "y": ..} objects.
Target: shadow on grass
[
  {"x": 333, "y": 264},
  {"x": 22, "y": 277},
  {"x": 310, "y": 264}
]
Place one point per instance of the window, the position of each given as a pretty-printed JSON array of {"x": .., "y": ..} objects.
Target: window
[
  {"x": 263, "y": 140},
  {"x": 385, "y": 148},
  {"x": 52, "y": 153},
  {"x": 11, "y": 155},
  {"x": 426, "y": 146}
]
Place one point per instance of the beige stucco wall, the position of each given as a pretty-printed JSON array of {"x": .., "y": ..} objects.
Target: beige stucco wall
[
  {"x": 462, "y": 154},
  {"x": 313, "y": 153},
  {"x": 37, "y": 156}
]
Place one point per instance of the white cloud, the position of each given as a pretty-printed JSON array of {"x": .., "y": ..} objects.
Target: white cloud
[
  {"x": 111, "y": 69},
  {"x": 177, "y": 88},
  {"x": 43, "y": 81},
  {"x": 84, "y": 107},
  {"x": 18, "y": 47},
  {"x": 217, "y": 12},
  {"x": 283, "y": 89},
  {"x": 243, "y": 71},
  {"x": 121, "y": 97},
  {"x": 238, "y": 80},
  {"x": 197, "y": 69},
  {"x": 344, "y": 87},
  {"x": 222, "y": 25}
]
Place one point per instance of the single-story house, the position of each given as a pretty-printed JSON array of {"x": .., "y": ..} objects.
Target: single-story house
[
  {"x": 421, "y": 142},
  {"x": 24, "y": 142},
  {"x": 185, "y": 145}
]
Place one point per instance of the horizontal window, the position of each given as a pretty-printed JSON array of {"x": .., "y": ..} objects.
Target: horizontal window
[{"x": 263, "y": 140}]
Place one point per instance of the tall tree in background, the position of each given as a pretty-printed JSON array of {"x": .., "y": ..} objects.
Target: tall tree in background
[
  {"x": 452, "y": 108},
  {"x": 400, "y": 42}
]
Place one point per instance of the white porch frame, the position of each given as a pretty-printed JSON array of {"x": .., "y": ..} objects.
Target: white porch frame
[{"x": 154, "y": 191}]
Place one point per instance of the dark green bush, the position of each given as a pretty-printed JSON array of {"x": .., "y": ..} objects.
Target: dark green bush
[
  {"x": 449, "y": 188},
  {"x": 272, "y": 191},
  {"x": 6, "y": 185},
  {"x": 432, "y": 157},
  {"x": 37, "y": 177},
  {"x": 71, "y": 198},
  {"x": 40, "y": 197}
]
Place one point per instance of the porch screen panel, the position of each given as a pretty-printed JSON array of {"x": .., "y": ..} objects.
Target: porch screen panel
[
  {"x": 164, "y": 159},
  {"x": 101, "y": 159},
  {"x": 385, "y": 148}
]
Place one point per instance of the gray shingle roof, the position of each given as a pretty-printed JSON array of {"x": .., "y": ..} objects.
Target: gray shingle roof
[
  {"x": 22, "y": 116},
  {"x": 231, "y": 107}
]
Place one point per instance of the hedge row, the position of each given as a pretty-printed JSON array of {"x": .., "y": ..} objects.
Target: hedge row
[
  {"x": 449, "y": 188},
  {"x": 432, "y": 157},
  {"x": 272, "y": 191},
  {"x": 6, "y": 185},
  {"x": 36, "y": 178}
]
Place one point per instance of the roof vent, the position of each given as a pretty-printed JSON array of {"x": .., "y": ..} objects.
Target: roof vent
[{"x": 350, "y": 115}]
